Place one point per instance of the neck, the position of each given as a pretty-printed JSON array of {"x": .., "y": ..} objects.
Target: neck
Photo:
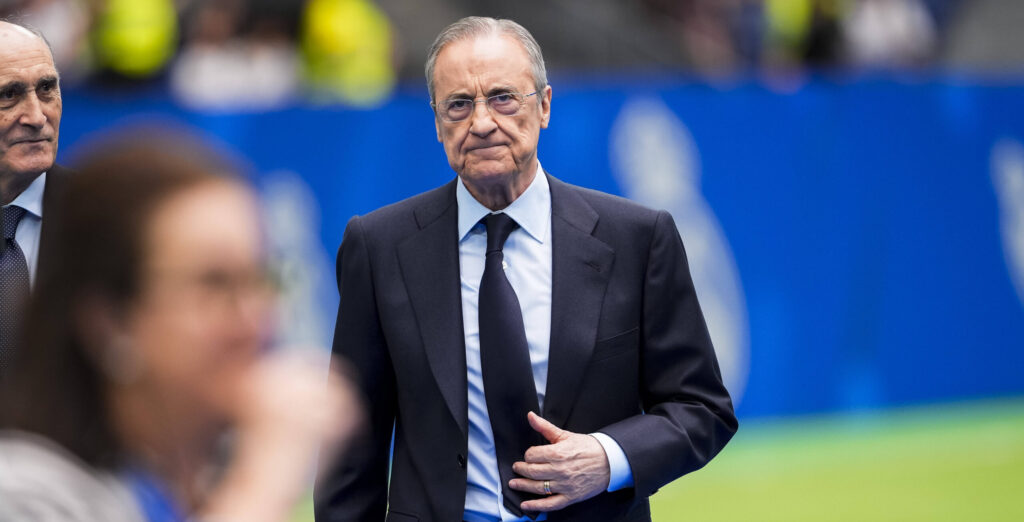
[
  {"x": 500, "y": 193},
  {"x": 167, "y": 441}
]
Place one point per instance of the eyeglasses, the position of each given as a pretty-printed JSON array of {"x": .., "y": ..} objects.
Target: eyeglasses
[
  {"x": 220, "y": 287},
  {"x": 458, "y": 109}
]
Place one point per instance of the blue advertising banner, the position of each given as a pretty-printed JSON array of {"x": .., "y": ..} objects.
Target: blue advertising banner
[{"x": 854, "y": 245}]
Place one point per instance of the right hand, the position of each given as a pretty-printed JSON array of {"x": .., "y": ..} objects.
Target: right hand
[
  {"x": 288, "y": 411},
  {"x": 289, "y": 401}
]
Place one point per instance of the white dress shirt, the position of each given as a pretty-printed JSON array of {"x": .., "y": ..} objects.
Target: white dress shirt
[
  {"x": 27, "y": 235},
  {"x": 527, "y": 263}
]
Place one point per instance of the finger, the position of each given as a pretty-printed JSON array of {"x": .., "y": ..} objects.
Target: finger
[
  {"x": 536, "y": 471},
  {"x": 550, "y": 432},
  {"x": 548, "y": 453},
  {"x": 530, "y": 486},
  {"x": 552, "y": 503}
]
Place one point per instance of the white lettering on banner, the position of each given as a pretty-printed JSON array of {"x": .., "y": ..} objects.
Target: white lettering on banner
[
  {"x": 1008, "y": 178},
  {"x": 656, "y": 162}
]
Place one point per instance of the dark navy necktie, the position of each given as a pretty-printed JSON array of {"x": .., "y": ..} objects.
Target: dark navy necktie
[
  {"x": 505, "y": 363},
  {"x": 14, "y": 285}
]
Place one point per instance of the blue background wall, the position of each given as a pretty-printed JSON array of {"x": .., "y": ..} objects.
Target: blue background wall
[{"x": 862, "y": 215}]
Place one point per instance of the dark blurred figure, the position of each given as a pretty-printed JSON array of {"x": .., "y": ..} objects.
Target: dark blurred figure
[
  {"x": 824, "y": 45},
  {"x": 577, "y": 35},
  {"x": 147, "y": 348},
  {"x": 30, "y": 111}
]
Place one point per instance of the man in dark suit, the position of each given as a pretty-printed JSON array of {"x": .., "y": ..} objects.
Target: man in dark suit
[
  {"x": 534, "y": 349},
  {"x": 30, "y": 111}
]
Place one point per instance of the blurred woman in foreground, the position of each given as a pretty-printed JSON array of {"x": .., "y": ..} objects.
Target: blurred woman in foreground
[{"x": 145, "y": 390}]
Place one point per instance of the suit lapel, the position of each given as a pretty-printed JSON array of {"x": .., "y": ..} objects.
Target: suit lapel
[
  {"x": 429, "y": 260},
  {"x": 56, "y": 177},
  {"x": 580, "y": 269}
]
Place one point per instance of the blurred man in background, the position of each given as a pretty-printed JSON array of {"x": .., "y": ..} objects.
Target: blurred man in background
[
  {"x": 537, "y": 347},
  {"x": 30, "y": 110}
]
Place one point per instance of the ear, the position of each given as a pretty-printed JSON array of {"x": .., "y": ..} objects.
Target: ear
[
  {"x": 545, "y": 107},
  {"x": 437, "y": 128}
]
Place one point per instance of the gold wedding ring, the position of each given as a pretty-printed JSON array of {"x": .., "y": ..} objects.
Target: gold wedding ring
[{"x": 547, "y": 487}]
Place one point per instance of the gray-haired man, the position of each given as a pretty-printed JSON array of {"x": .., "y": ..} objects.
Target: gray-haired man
[
  {"x": 536, "y": 348},
  {"x": 30, "y": 110}
]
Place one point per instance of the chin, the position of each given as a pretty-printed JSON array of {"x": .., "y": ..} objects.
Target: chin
[
  {"x": 488, "y": 171},
  {"x": 34, "y": 165}
]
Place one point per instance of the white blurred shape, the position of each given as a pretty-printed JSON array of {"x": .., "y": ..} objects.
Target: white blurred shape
[
  {"x": 657, "y": 164},
  {"x": 890, "y": 32},
  {"x": 236, "y": 75},
  {"x": 43, "y": 482},
  {"x": 303, "y": 267},
  {"x": 1007, "y": 163}
]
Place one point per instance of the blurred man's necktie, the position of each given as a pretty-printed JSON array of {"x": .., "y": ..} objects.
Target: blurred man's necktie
[{"x": 14, "y": 285}]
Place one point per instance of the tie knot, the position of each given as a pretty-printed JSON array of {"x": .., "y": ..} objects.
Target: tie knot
[
  {"x": 12, "y": 215},
  {"x": 499, "y": 226}
]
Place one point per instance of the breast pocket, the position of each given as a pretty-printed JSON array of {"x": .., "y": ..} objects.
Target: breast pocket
[{"x": 617, "y": 344}]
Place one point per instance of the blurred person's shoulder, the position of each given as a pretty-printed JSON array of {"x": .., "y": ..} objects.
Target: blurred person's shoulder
[{"x": 41, "y": 481}]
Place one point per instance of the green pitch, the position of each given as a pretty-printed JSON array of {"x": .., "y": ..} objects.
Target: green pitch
[
  {"x": 962, "y": 462},
  {"x": 954, "y": 462}
]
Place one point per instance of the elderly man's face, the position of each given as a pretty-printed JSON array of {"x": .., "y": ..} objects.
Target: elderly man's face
[
  {"x": 30, "y": 104},
  {"x": 488, "y": 146}
]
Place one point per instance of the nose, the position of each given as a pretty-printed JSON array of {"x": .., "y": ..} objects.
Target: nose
[
  {"x": 33, "y": 115},
  {"x": 481, "y": 122}
]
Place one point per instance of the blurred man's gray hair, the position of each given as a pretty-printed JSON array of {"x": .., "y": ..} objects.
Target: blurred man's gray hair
[{"x": 474, "y": 26}]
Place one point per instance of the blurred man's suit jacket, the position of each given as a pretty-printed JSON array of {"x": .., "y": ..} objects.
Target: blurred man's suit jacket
[{"x": 56, "y": 179}]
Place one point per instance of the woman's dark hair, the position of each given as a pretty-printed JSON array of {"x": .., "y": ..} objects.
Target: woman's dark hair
[{"x": 95, "y": 248}]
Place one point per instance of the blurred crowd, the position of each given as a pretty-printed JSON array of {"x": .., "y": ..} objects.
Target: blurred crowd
[
  {"x": 261, "y": 53},
  {"x": 213, "y": 53}
]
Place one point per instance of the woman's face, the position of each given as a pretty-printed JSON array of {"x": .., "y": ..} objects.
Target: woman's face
[{"x": 203, "y": 313}]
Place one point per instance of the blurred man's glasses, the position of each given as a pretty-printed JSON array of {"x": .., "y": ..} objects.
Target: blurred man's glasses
[{"x": 458, "y": 109}]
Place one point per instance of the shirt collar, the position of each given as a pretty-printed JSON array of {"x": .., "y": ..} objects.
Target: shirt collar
[
  {"x": 531, "y": 210},
  {"x": 31, "y": 199}
]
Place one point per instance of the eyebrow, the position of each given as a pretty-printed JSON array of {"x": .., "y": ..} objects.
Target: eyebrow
[
  {"x": 13, "y": 85},
  {"x": 19, "y": 85},
  {"x": 498, "y": 89}
]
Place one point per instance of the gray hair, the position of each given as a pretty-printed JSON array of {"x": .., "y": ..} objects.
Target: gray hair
[{"x": 474, "y": 26}]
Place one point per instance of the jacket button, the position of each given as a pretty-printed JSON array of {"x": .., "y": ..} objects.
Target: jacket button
[{"x": 462, "y": 461}]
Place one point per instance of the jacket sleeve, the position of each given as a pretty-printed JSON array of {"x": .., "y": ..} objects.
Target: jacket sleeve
[
  {"x": 354, "y": 484},
  {"x": 688, "y": 414}
]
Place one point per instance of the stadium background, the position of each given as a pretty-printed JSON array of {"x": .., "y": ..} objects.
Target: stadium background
[{"x": 854, "y": 213}]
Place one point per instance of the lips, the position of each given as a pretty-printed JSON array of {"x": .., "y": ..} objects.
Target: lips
[
  {"x": 31, "y": 140},
  {"x": 483, "y": 147}
]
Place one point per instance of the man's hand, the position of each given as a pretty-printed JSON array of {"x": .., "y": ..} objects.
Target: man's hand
[{"x": 574, "y": 465}]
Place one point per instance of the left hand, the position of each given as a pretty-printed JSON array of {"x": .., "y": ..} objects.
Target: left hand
[{"x": 574, "y": 465}]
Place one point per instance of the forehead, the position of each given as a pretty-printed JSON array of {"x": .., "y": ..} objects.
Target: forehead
[
  {"x": 23, "y": 56},
  {"x": 477, "y": 64},
  {"x": 212, "y": 216}
]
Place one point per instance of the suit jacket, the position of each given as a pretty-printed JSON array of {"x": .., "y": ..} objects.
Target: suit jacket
[
  {"x": 630, "y": 355},
  {"x": 56, "y": 178}
]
